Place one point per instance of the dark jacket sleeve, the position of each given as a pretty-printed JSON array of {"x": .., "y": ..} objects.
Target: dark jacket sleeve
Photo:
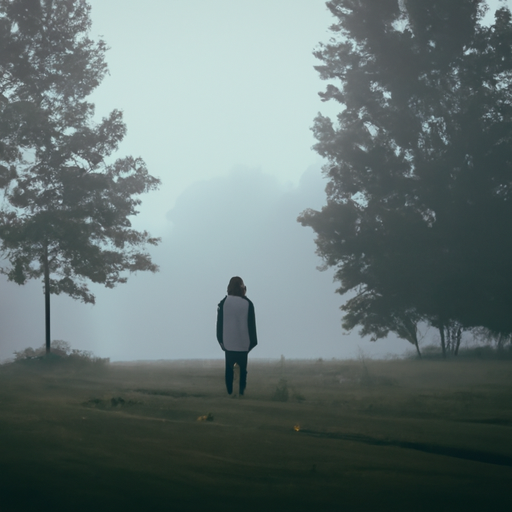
[
  {"x": 251, "y": 320},
  {"x": 220, "y": 318}
]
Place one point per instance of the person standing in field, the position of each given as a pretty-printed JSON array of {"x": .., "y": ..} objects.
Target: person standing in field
[{"x": 236, "y": 331}]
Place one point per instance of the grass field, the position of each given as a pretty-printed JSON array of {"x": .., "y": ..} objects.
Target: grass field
[{"x": 401, "y": 435}]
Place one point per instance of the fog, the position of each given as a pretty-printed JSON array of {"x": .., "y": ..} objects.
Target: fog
[
  {"x": 218, "y": 98},
  {"x": 240, "y": 224}
]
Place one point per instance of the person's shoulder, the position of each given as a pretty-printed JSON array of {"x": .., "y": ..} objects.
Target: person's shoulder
[
  {"x": 223, "y": 300},
  {"x": 248, "y": 300}
]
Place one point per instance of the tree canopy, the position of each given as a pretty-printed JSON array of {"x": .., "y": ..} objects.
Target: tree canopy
[
  {"x": 68, "y": 203},
  {"x": 419, "y": 213}
]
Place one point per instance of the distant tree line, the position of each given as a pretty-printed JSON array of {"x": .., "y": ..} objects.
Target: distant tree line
[
  {"x": 418, "y": 220},
  {"x": 65, "y": 216}
]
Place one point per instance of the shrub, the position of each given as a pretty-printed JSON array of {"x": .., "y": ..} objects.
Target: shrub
[{"x": 60, "y": 351}]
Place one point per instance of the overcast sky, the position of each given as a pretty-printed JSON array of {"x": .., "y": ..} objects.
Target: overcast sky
[{"x": 218, "y": 97}]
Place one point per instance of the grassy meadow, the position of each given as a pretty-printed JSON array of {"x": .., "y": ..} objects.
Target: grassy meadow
[{"x": 397, "y": 435}]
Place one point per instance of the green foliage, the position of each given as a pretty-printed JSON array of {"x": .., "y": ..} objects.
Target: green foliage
[
  {"x": 499, "y": 340},
  {"x": 418, "y": 216},
  {"x": 68, "y": 204},
  {"x": 60, "y": 348}
]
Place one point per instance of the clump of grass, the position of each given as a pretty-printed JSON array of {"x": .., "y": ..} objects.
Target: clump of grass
[
  {"x": 116, "y": 402},
  {"x": 365, "y": 378},
  {"x": 281, "y": 393},
  {"x": 160, "y": 392}
]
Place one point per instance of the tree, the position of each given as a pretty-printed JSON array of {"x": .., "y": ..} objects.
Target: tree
[
  {"x": 68, "y": 208},
  {"x": 418, "y": 213},
  {"x": 379, "y": 316},
  {"x": 489, "y": 337}
]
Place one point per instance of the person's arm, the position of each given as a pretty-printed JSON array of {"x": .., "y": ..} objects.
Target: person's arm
[
  {"x": 220, "y": 323},
  {"x": 251, "y": 321}
]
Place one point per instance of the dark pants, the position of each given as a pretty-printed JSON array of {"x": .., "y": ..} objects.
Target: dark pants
[{"x": 241, "y": 359}]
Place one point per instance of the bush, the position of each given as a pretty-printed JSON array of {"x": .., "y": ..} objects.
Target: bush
[
  {"x": 485, "y": 351},
  {"x": 60, "y": 351}
]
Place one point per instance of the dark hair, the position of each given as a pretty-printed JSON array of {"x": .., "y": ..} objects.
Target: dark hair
[{"x": 236, "y": 286}]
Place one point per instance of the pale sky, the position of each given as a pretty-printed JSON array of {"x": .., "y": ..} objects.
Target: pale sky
[
  {"x": 218, "y": 97},
  {"x": 209, "y": 85}
]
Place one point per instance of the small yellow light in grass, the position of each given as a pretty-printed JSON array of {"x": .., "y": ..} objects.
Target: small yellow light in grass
[{"x": 296, "y": 427}]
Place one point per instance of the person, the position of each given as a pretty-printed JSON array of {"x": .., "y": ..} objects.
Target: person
[{"x": 236, "y": 331}]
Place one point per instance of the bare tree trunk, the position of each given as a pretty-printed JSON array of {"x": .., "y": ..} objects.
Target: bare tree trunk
[
  {"x": 443, "y": 344},
  {"x": 414, "y": 336},
  {"x": 459, "y": 337},
  {"x": 500, "y": 342},
  {"x": 47, "y": 299},
  {"x": 417, "y": 348},
  {"x": 411, "y": 333},
  {"x": 448, "y": 339}
]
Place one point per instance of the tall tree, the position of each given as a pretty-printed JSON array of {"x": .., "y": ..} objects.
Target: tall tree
[
  {"x": 418, "y": 210},
  {"x": 66, "y": 218}
]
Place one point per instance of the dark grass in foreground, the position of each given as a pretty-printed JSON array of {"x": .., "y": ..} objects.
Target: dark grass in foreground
[{"x": 373, "y": 435}]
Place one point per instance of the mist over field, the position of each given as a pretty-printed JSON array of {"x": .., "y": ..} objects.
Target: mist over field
[
  {"x": 240, "y": 224},
  {"x": 219, "y": 99},
  {"x": 264, "y": 140},
  {"x": 232, "y": 146}
]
